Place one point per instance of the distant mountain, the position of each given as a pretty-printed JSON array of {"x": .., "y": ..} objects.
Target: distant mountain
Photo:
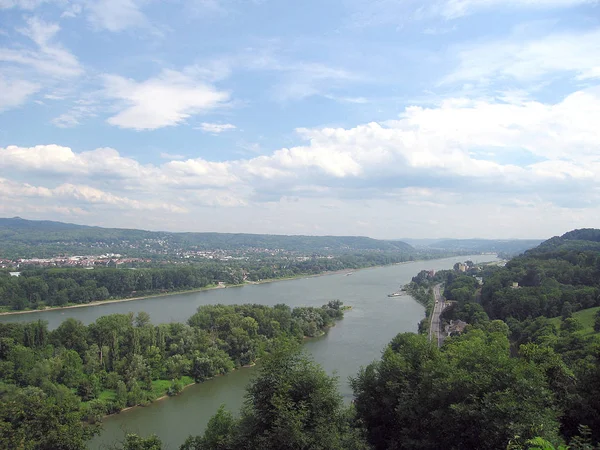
[
  {"x": 420, "y": 242},
  {"x": 43, "y": 238},
  {"x": 506, "y": 246}
]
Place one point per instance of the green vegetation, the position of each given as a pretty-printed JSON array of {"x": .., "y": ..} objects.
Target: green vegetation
[
  {"x": 39, "y": 288},
  {"x": 587, "y": 318},
  {"x": 60, "y": 383},
  {"x": 515, "y": 378},
  {"x": 31, "y": 238},
  {"x": 292, "y": 404}
]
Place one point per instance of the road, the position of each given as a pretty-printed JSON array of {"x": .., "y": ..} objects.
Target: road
[{"x": 435, "y": 331}]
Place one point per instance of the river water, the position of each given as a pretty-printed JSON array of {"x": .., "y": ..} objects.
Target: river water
[{"x": 355, "y": 341}]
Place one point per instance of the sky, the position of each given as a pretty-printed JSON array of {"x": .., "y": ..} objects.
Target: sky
[{"x": 384, "y": 118}]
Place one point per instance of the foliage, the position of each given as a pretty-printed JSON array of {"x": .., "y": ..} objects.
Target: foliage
[
  {"x": 121, "y": 360},
  {"x": 469, "y": 394},
  {"x": 32, "y": 418},
  {"x": 292, "y": 404}
]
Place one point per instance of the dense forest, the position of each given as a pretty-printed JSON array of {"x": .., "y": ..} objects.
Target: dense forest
[
  {"x": 38, "y": 288},
  {"x": 55, "y": 386}
]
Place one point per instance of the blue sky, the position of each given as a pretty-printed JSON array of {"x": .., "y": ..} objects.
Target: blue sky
[{"x": 460, "y": 118}]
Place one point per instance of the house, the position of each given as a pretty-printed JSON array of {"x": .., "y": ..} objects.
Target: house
[
  {"x": 456, "y": 326},
  {"x": 15, "y": 274}
]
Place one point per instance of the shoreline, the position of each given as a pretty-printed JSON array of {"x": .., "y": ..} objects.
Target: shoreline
[
  {"x": 114, "y": 300},
  {"x": 246, "y": 366},
  {"x": 190, "y": 291},
  {"x": 209, "y": 288}
]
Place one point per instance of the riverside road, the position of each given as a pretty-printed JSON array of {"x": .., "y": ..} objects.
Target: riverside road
[{"x": 435, "y": 331}]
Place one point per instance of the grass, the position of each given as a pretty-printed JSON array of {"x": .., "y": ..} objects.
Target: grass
[
  {"x": 587, "y": 318},
  {"x": 160, "y": 387},
  {"x": 107, "y": 394}
]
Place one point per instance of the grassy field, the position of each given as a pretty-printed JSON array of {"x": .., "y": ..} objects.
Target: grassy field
[
  {"x": 586, "y": 317},
  {"x": 159, "y": 389}
]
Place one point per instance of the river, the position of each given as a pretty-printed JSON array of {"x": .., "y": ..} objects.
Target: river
[{"x": 355, "y": 341}]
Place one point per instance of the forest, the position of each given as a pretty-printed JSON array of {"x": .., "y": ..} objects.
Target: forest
[
  {"x": 39, "y": 288},
  {"x": 524, "y": 373},
  {"x": 55, "y": 386}
]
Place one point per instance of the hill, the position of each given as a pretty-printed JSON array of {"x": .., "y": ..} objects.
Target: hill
[
  {"x": 506, "y": 246},
  {"x": 560, "y": 276},
  {"x": 23, "y": 238}
]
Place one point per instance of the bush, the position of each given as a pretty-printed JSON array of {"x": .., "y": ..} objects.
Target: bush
[{"x": 175, "y": 388}]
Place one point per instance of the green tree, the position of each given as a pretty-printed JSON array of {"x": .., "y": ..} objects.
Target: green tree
[
  {"x": 219, "y": 433},
  {"x": 135, "y": 442},
  {"x": 471, "y": 394},
  {"x": 30, "y": 419},
  {"x": 293, "y": 404}
]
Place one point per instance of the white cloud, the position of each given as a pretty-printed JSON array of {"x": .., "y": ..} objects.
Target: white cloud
[
  {"x": 355, "y": 100},
  {"x": 80, "y": 194},
  {"x": 166, "y": 100},
  {"x": 567, "y": 53},
  {"x": 72, "y": 11},
  {"x": 82, "y": 109},
  {"x": 369, "y": 13},
  {"x": 116, "y": 15},
  {"x": 450, "y": 154},
  {"x": 14, "y": 93},
  {"x": 21, "y": 4},
  {"x": 302, "y": 80},
  {"x": 28, "y": 70},
  {"x": 452, "y": 9},
  {"x": 216, "y": 128},
  {"x": 296, "y": 80},
  {"x": 166, "y": 155},
  {"x": 50, "y": 58}
]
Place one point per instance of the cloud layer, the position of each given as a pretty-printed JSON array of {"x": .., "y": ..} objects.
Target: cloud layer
[{"x": 425, "y": 158}]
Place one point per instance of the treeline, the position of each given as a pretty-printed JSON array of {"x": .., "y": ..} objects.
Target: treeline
[
  {"x": 54, "y": 385},
  {"x": 37, "y": 288}
]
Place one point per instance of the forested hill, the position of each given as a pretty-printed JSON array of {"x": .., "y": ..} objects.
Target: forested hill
[
  {"x": 50, "y": 238},
  {"x": 560, "y": 276},
  {"x": 585, "y": 239},
  {"x": 506, "y": 246}
]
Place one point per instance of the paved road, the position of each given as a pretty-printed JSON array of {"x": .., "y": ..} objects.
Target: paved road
[{"x": 435, "y": 331}]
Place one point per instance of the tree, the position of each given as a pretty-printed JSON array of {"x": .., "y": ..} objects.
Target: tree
[
  {"x": 34, "y": 420},
  {"x": 72, "y": 335},
  {"x": 292, "y": 404},
  {"x": 135, "y": 442},
  {"x": 471, "y": 394},
  {"x": 142, "y": 319},
  {"x": 218, "y": 435}
]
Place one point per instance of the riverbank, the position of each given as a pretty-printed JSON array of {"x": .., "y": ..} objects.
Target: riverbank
[
  {"x": 206, "y": 288},
  {"x": 117, "y": 300},
  {"x": 246, "y": 366}
]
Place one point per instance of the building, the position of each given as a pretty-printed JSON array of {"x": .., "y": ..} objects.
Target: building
[{"x": 456, "y": 326}]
